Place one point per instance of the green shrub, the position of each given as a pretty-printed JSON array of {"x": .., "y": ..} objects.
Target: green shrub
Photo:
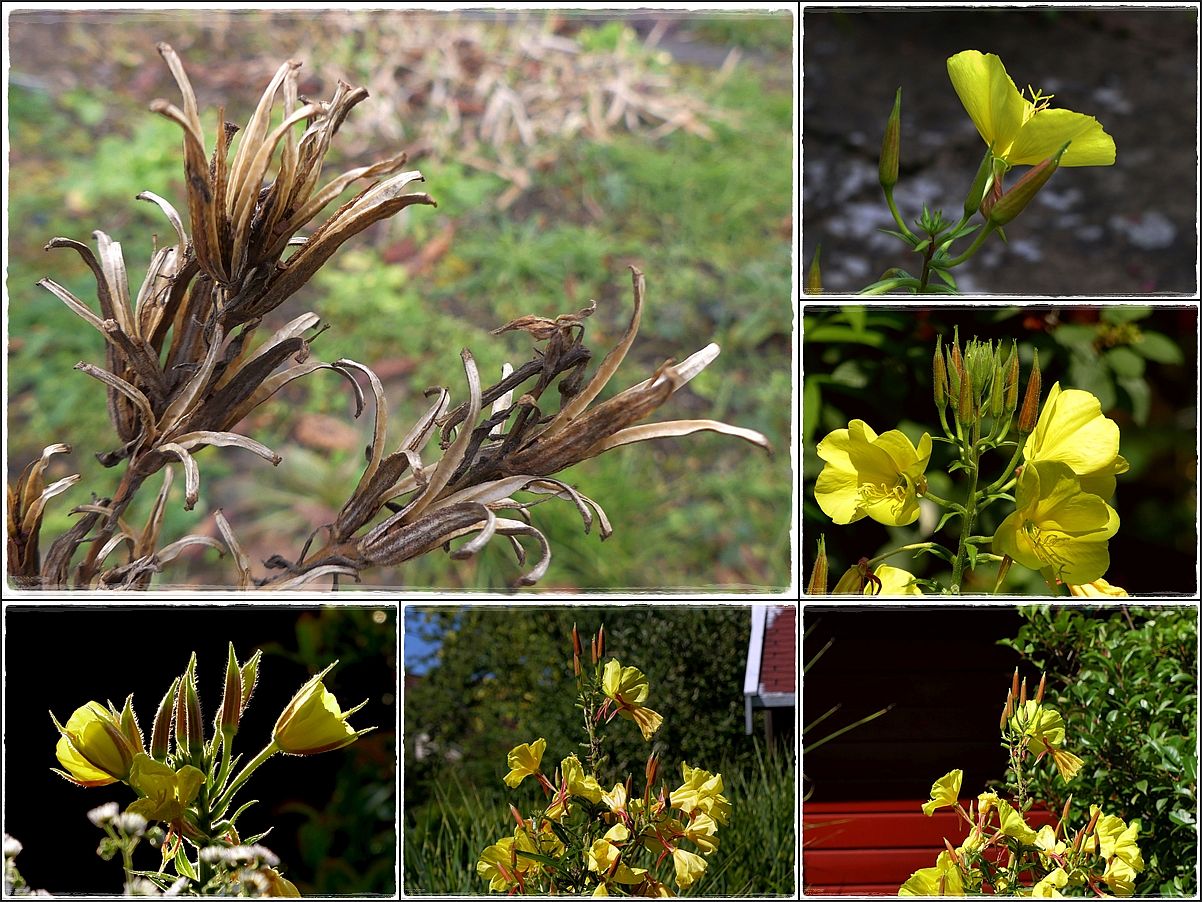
[{"x": 1126, "y": 683}]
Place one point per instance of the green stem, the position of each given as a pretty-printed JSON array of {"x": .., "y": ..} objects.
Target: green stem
[
  {"x": 224, "y": 771},
  {"x": 942, "y": 502},
  {"x": 888, "y": 554},
  {"x": 901, "y": 225},
  {"x": 972, "y": 248},
  {"x": 996, "y": 486},
  {"x": 250, "y": 768},
  {"x": 970, "y": 514}
]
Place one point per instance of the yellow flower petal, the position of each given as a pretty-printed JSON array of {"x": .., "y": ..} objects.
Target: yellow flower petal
[
  {"x": 993, "y": 103},
  {"x": 945, "y": 792},
  {"x": 1046, "y": 131}
]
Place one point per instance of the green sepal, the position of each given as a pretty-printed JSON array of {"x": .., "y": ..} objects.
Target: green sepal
[
  {"x": 1001, "y": 234},
  {"x": 922, "y": 245}
]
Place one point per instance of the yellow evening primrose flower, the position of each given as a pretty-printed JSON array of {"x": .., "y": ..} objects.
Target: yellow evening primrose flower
[
  {"x": 603, "y": 855},
  {"x": 1045, "y": 839},
  {"x": 1049, "y": 886},
  {"x": 945, "y": 792},
  {"x": 1117, "y": 845},
  {"x": 496, "y": 865},
  {"x": 701, "y": 792},
  {"x": 867, "y": 475},
  {"x": 941, "y": 880},
  {"x": 93, "y": 747},
  {"x": 166, "y": 792},
  {"x": 524, "y": 761},
  {"x": 1019, "y": 131},
  {"x": 1072, "y": 430},
  {"x": 1058, "y": 526},
  {"x": 689, "y": 867},
  {"x": 1045, "y": 726},
  {"x": 1013, "y": 824},
  {"x": 615, "y": 800},
  {"x": 573, "y": 782},
  {"x": 628, "y": 687}
]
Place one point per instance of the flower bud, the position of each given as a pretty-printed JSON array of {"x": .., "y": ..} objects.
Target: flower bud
[
  {"x": 964, "y": 407},
  {"x": 978, "y": 361},
  {"x": 1009, "y": 705},
  {"x": 601, "y": 642},
  {"x": 160, "y": 736},
  {"x": 817, "y": 584},
  {"x": 994, "y": 193},
  {"x": 1002, "y": 723},
  {"x": 593, "y": 648},
  {"x": 129, "y": 724},
  {"x": 997, "y": 392},
  {"x": 576, "y": 649},
  {"x": 1030, "y": 412},
  {"x": 195, "y": 732},
  {"x": 1012, "y": 379},
  {"x": 1016, "y": 199},
  {"x": 891, "y": 145},
  {"x": 1014, "y": 684},
  {"x": 951, "y": 850},
  {"x": 940, "y": 375},
  {"x": 313, "y": 722},
  {"x": 1043, "y": 680},
  {"x": 651, "y": 771},
  {"x": 249, "y": 676},
  {"x": 1022, "y": 694},
  {"x": 1064, "y": 814},
  {"x": 231, "y": 702},
  {"x": 517, "y": 816},
  {"x": 980, "y": 184},
  {"x": 814, "y": 276}
]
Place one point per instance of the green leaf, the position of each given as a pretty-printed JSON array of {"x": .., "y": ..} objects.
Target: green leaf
[
  {"x": 1079, "y": 338},
  {"x": 908, "y": 239},
  {"x": 1141, "y": 398},
  {"x": 947, "y": 277},
  {"x": 183, "y": 866},
  {"x": 856, "y": 316},
  {"x": 883, "y": 286},
  {"x": 1181, "y": 817},
  {"x": 851, "y": 374},
  {"x": 946, "y": 516},
  {"x": 544, "y": 860},
  {"x": 1084, "y": 373},
  {"x": 940, "y": 289},
  {"x": 1157, "y": 347},
  {"x": 938, "y": 551},
  {"x": 1142, "y": 786},
  {"x": 972, "y": 552},
  {"x": 829, "y": 333},
  {"x": 922, "y": 245},
  {"x": 1125, "y": 314},
  {"x": 811, "y": 408},
  {"x": 1125, "y": 362}
]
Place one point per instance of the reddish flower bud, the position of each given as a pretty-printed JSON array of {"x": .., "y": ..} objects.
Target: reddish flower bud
[
  {"x": 1016, "y": 199},
  {"x": 1029, "y": 415},
  {"x": 818, "y": 575}
]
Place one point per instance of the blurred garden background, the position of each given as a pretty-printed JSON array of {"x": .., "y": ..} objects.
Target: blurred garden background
[
  {"x": 874, "y": 364},
  {"x": 480, "y": 681},
  {"x": 560, "y": 148},
  {"x": 333, "y": 815},
  {"x": 1122, "y": 229}
]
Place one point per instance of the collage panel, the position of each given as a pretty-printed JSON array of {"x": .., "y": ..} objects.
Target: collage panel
[
  {"x": 645, "y": 750},
  {"x": 301, "y": 296},
  {"x": 1000, "y": 450},
  {"x": 1041, "y": 751},
  {"x": 201, "y": 750},
  {"x": 1015, "y": 151}
]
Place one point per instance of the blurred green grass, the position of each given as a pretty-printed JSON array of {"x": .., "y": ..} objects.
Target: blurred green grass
[{"x": 709, "y": 223}]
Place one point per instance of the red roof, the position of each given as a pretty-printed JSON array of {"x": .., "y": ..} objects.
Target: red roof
[{"x": 778, "y": 664}]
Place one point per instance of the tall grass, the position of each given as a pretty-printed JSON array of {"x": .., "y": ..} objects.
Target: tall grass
[{"x": 757, "y": 854}]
